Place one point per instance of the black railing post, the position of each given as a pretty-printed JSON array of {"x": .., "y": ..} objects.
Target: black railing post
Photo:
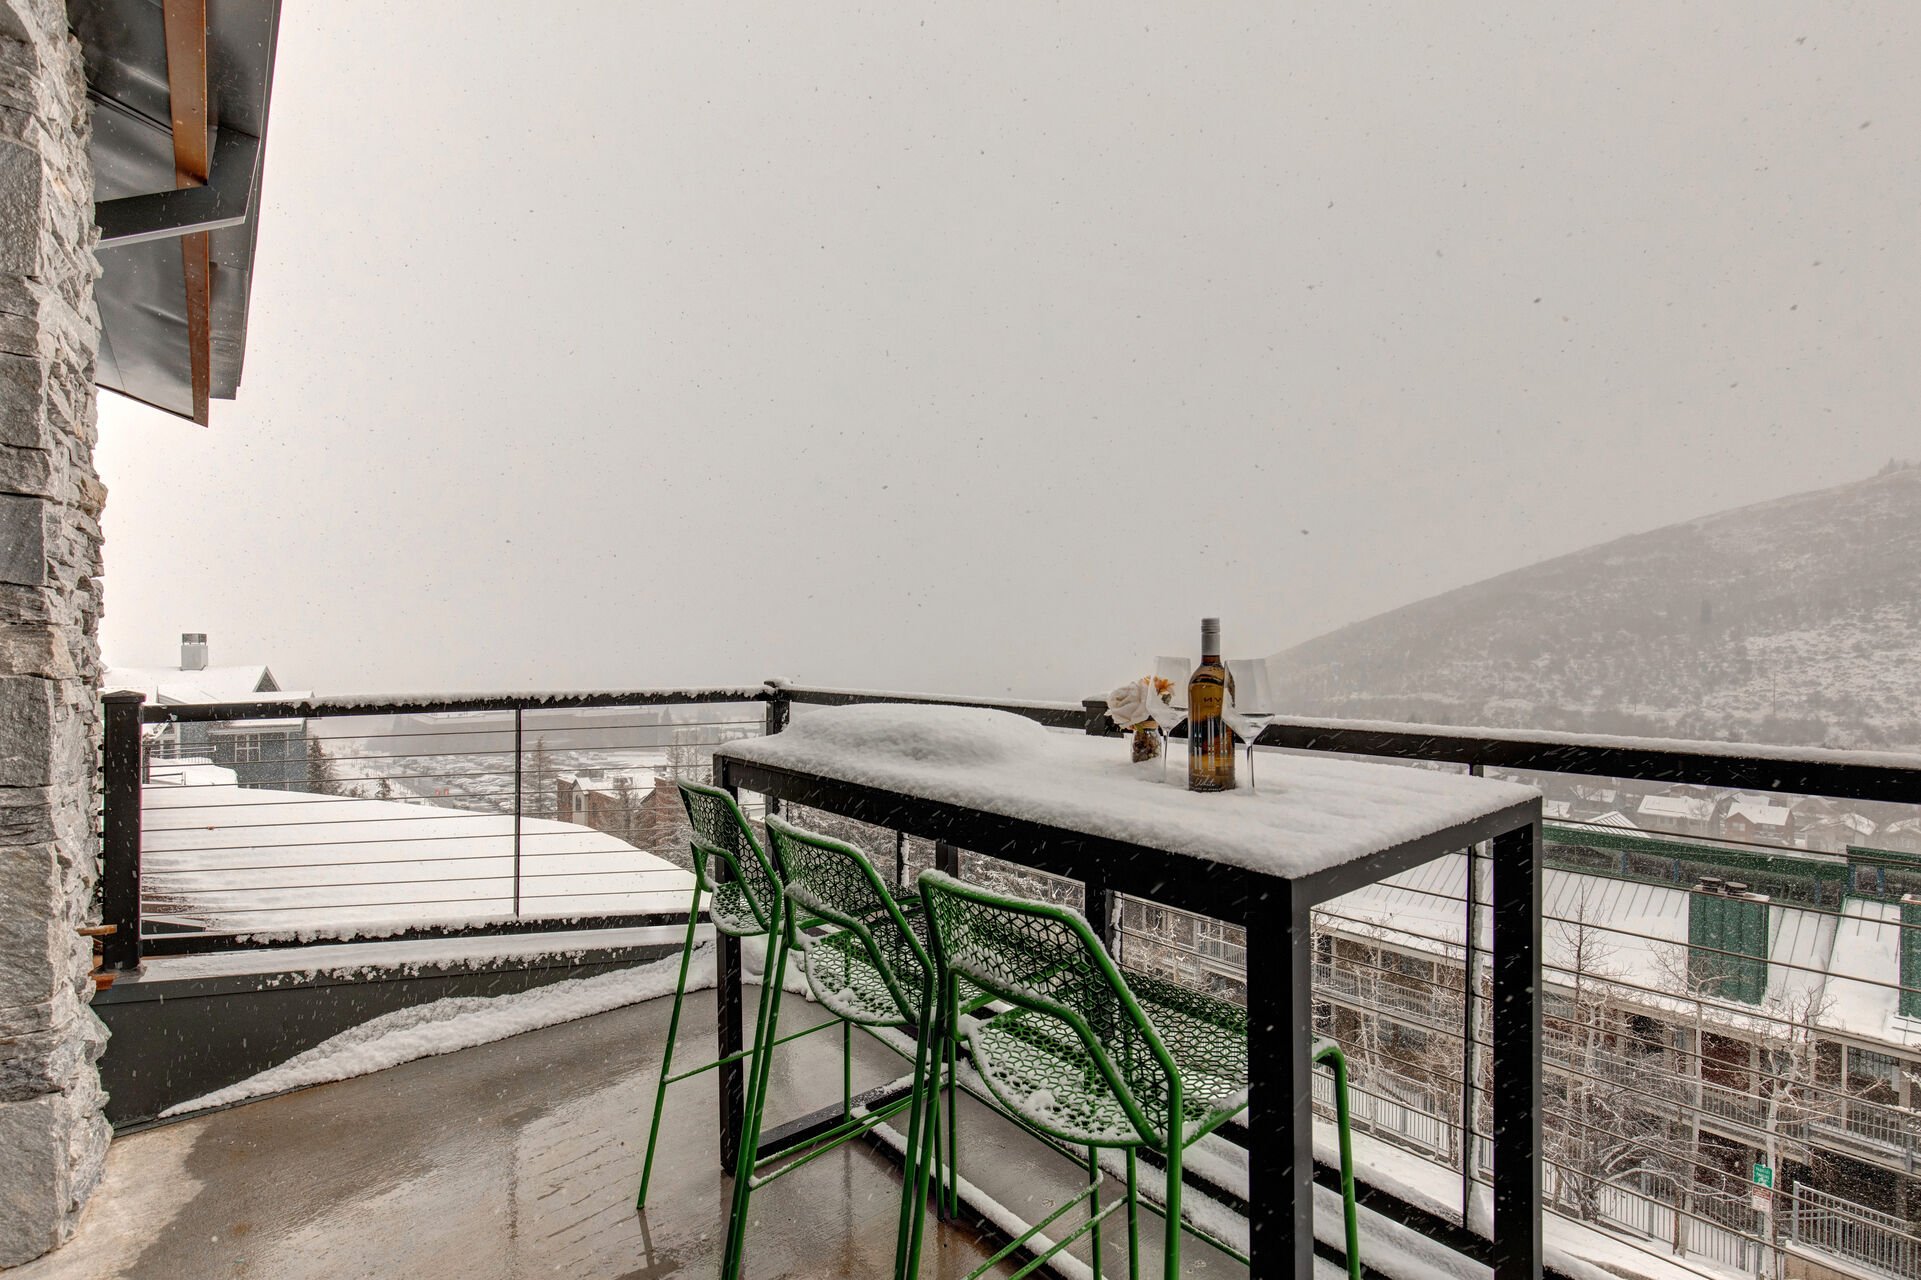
[
  {"x": 1516, "y": 1026},
  {"x": 780, "y": 708},
  {"x": 519, "y": 804},
  {"x": 120, "y": 829},
  {"x": 1469, "y": 1043},
  {"x": 1099, "y": 898},
  {"x": 727, "y": 1032}
]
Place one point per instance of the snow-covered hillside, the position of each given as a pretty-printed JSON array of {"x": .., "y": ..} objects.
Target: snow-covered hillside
[{"x": 1796, "y": 621}]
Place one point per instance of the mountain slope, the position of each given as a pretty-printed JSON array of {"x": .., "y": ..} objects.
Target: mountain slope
[{"x": 1796, "y": 621}]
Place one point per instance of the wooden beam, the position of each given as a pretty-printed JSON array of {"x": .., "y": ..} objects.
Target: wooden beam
[{"x": 186, "y": 32}]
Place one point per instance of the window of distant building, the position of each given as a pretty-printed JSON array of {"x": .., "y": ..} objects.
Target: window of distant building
[
  {"x": 246, "y": 748},
  {"x": 1876, "y": 1076}
]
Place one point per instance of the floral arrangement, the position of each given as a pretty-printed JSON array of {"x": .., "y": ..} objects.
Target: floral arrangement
[{"x": 1129, "y": 706}]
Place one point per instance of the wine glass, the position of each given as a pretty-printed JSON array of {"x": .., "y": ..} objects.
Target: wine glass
[
  {"x": 1247, "y": 725},
  {"x": 1166, "y": 716}
]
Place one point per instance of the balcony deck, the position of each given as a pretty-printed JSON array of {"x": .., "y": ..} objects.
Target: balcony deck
[{"x": 520, "y": 1158}]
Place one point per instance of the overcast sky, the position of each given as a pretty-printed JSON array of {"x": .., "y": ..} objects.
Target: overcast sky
[{"x": 985, "y": 347}]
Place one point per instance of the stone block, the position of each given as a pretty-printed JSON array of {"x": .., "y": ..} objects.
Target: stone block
[
  {"x": 26, "y": 471},
  {"x": 23, "y": 402},
  {"x": 31, "y": 1065},
  {"x": 34, "y": 1164},
  {"x": 35, "y": 651},
  {"x": 34, "y": 957},
  {"x": 27, "y": 717},
  {"x": 22, "y": 192},
  {"x": 23, "y": 542},
  {"x": 52, "y": 1152},
  {"x": 28, "y": 885},
  {"x": 26, "y": 817}
]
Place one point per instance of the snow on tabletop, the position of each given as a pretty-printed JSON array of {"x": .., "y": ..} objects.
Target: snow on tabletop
[{"x": 1309, "y": 814}]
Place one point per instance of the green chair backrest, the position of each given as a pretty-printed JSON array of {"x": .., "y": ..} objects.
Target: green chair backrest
[
  {"x": 720, "y": 831},
  {"x": 1046, "y": 958},
  {"x": 835, "y": 882}
]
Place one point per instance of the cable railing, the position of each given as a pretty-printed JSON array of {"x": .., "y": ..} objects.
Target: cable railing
[
  {"x": 1421, "y": 1085},
  {"x": 402, "y": 817}
]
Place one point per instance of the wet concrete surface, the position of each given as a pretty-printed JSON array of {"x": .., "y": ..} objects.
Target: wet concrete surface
[{"x": 521, "y": 1158}]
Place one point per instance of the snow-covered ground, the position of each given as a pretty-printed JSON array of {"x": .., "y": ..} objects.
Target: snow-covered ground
[{"x": 222, "y": 858}]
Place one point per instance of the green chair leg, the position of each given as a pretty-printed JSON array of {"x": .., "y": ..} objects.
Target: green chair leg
[
  {"x": 913, "y": 1198},
  {"x": 755, "y": 1106},
  {"x": 1094, "y": 1209},
  {"x": 952, "y": 1181},
  {"x": 1330, "y": 1053},
  {"x": 1171, "y": 1263},
  {"x": 667, "y": 1059},
  {"x": 1133, "y": 1215}
]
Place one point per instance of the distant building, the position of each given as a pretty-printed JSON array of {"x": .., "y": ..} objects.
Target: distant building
[
  {"x": 262, "y": 753},
  {"x": 599, "y": 799},
  {"x": 1902, "y": 835},
  {"x": 1758, "y": 818},
  {"x": 1681, "y": 811}
]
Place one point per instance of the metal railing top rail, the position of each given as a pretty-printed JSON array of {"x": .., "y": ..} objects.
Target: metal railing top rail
[
  {"x": 1056, "y": 715},
  {"x": 1852, "y": 775},
  {"x": 1861, "y": 775},
  {"x": 414, "y": 704},
  {"x": 1743, "y": 766}
]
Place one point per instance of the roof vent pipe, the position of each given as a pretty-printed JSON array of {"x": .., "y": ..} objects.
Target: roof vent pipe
[
  {"x": 193, "y": 651},
  {"x": 1711, "y": 884}
]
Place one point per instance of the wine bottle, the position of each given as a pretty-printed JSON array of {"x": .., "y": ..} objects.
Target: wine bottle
[{"x": 1210, "y": 746}]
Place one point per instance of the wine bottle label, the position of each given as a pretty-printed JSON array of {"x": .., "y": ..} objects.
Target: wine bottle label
[{"x": 1204, "y": 699}]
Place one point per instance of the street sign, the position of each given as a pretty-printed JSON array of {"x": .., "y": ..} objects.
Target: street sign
[
  {"x": 1764, "y": 1175},
  {"x": 1763, "y": 1188}
]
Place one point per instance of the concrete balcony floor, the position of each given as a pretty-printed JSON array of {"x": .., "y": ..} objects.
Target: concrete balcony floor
[{"x": 521, "y": 1158}]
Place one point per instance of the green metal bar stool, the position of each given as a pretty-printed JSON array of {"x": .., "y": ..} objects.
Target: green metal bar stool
[
  {"x": 870, "y": 969},
  {"x": 746, "y": 903},
  {"x": 1088, "y": 1059}
]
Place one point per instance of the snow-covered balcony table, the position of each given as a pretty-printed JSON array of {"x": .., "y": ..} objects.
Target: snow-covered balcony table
[{"x": 997, "y": 784}]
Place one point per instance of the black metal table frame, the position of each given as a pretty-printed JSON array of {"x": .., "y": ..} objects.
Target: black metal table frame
[{"x": 1280, "y": 1119}]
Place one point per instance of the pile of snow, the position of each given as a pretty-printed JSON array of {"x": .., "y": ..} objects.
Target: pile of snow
[
  {"x": 459, "y": 1022},
  {"x": 955, "y": 737}
]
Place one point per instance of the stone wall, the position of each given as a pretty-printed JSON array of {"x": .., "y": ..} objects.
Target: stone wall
[{"x": 53, "y": 1139}]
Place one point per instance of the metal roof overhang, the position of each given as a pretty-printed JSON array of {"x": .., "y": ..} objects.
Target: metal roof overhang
[{"x": 177, "y": 163}]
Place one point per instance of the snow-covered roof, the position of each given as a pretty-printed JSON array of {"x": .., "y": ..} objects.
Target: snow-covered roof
[
  {"x": 1853, "y": 822},
  {"x": 172, "y": 686},
  {"x": 1686, "y": 808},
  {"x": 1636, "y": 933},
  {"x": 1614, "y": 818},
  {"x": 251, "y": 860},
  {"x": 1760, "y": 813},
  {"x": 1866, "y": 961}
]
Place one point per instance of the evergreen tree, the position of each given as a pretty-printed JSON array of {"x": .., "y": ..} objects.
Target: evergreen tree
[{"x": 322, "y": 779}]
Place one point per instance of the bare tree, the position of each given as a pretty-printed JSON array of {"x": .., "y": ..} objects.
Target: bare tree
[{"x": 1614, "y": 1108}]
